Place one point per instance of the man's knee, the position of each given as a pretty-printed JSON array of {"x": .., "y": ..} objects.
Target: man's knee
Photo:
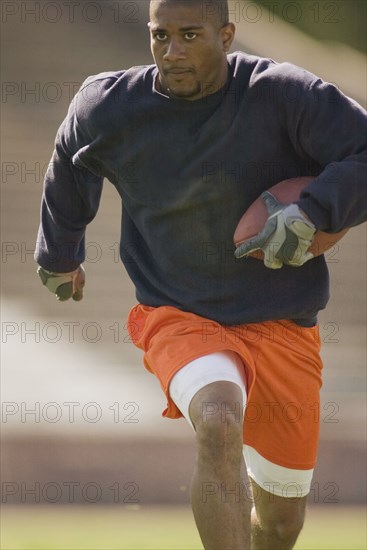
[
  {"x": 287, "y": 529},
  {"x": 280, "y": 518},
  {"x": 217, "y": 414}
]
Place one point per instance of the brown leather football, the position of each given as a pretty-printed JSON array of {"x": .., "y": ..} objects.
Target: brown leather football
[{"x": 286, "y": 191}]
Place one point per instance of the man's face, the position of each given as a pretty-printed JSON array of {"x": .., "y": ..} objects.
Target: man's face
[{"x": 189, "y": 48}]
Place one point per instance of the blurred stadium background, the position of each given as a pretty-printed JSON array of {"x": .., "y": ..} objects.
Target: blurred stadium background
[{"x": 81, "y": 419}]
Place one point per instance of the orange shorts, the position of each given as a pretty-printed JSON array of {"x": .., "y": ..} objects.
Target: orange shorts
[{"x": 282, "y": 369}]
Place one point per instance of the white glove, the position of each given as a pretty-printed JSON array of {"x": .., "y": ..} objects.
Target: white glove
[{"x": 285, "y": 238}]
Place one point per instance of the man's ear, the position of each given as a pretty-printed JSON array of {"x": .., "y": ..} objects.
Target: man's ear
[{"x": 227, "y": 33}]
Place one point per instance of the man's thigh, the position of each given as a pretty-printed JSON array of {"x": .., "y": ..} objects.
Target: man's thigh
[{"x": 281, "y": 418}]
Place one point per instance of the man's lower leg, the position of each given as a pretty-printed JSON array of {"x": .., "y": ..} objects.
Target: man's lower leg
[
  {"x": 221, "y": 507},
  {"x": 219, "y": 492}
]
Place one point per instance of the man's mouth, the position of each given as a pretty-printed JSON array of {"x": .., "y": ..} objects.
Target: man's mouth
[{"x": 177, "y": 71}]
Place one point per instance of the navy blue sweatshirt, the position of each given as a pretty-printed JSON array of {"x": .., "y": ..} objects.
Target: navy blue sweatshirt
[{"x": 186, "y": 171}]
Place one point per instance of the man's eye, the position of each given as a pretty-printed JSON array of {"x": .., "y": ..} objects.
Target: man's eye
[
  {"x": 160, "y": 36},
  {"x": 190, "y": 35}
]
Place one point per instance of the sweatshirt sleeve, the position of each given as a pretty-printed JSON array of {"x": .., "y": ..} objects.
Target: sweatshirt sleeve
[
  {"x": 70, "y": 200},
  {"x": 331, "y": 128}
]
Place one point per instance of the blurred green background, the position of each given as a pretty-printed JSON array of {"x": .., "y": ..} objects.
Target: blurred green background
[
  {"x": 341, "y": 21},
  {"x": 87, "y": 460}
]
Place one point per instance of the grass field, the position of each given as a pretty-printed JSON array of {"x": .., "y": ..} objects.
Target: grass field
[{"x": 159, "y": 528}]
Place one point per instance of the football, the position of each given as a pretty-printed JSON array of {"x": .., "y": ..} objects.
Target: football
[{"x": 286, "y": 191}]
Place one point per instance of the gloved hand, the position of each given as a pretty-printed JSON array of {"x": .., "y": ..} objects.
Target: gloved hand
[
  {"x": 285, "y": 238},
  {"x": 64, "y": 285}
]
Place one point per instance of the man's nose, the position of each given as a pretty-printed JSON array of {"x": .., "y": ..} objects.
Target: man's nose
[{"x": 175, "y": 50}]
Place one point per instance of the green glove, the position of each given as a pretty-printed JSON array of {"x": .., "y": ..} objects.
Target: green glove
[
  {"x": 285, "y": 238},
  {"x": 64, "y": 285}
]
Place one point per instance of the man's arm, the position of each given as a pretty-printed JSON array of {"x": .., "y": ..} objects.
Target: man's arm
[
  {"x": 331, "y": 129},
  {"x": 70, "y": 200}
]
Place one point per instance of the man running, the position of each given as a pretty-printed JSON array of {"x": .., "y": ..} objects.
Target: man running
[{"x": 189, "y": 143}]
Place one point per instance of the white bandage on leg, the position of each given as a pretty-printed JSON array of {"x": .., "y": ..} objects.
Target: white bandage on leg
[
  {"x": 215, "y": 367},
  {"x": 277, "y": 480}
]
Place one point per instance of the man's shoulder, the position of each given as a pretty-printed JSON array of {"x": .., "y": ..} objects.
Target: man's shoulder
[
  {"x": 107, "y": 79},
  {"x": 106, "y": 90},
  {"x": 265, "y": 69}
]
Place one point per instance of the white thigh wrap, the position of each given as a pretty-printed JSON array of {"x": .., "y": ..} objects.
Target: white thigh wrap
[
  {"x": 277, "y": 480},
  {"x": 221, "y": 366}
]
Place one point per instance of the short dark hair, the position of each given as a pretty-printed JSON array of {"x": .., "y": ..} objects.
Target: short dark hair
[{"x": 216, "y": 9}]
